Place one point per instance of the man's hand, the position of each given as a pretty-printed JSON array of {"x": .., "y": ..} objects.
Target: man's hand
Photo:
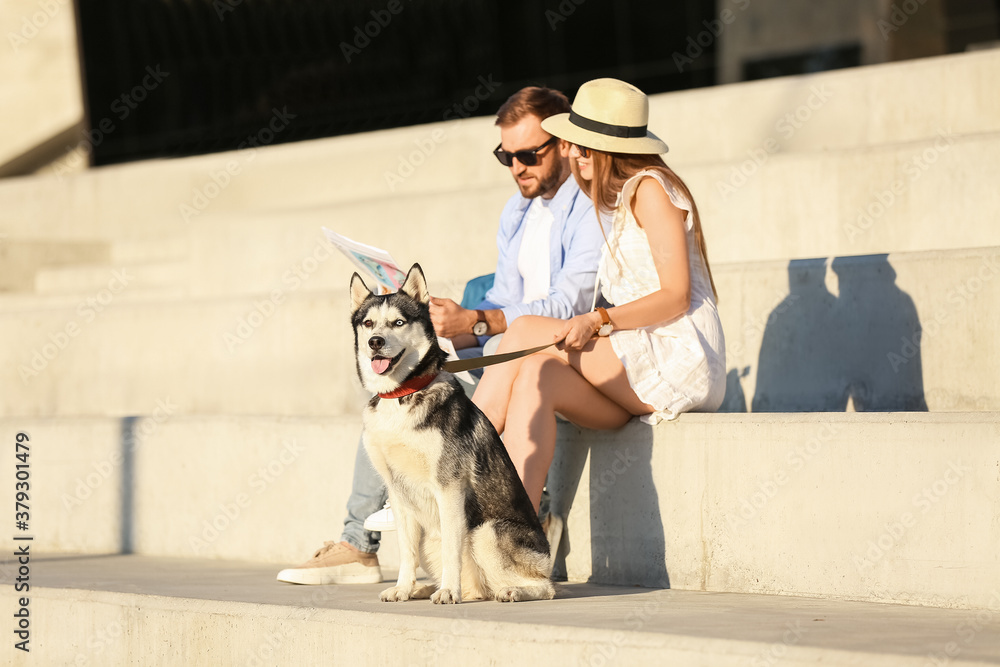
[{"x": 450, "y": 319}]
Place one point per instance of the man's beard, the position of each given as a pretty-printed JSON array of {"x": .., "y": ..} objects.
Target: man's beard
[{"x": 542, "y": 184}]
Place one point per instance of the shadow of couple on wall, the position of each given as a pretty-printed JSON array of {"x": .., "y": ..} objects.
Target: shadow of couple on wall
[{"x": 821, "y": 352}]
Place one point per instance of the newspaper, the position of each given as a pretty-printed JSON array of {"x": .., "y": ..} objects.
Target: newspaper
[
  {"x": 384, "y": 270},
  {"x": 370, "y": 260}
]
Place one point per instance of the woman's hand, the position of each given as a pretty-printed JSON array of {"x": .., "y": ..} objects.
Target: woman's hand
[{"x": 577, "y": 331}]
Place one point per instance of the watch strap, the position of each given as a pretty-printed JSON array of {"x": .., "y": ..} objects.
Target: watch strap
[
  {"x": 480, "y": 317},
  {"x": 606, "y": 327}
]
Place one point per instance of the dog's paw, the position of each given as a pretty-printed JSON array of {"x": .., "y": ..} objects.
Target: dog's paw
[
  {"x": 508, "y": 595},
  {"x": 396, "y": 594},
  {"x": 446, "y": 596}
]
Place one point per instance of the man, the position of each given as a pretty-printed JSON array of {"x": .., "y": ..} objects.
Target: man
[{"x": 549, "y": 245}]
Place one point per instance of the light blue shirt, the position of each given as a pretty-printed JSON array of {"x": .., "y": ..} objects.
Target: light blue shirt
[{"x": 574, "y": 250}]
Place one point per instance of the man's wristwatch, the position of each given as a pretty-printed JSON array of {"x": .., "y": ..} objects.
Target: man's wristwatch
[
  {"x": 606, "y": 326},
  {"x": 480, "y": 327}
]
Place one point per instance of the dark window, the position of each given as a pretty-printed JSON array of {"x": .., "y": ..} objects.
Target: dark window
[
  {"x": 817, "y": 60},
  {"x": 179, "y": 77}
]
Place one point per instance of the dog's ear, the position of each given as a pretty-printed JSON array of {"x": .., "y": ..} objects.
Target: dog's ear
[
  {"x": 415, "y": 285},
  {"x": 359, "y": 291}
]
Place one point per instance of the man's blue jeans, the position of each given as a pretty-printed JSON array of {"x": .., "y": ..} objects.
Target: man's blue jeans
[{"x": 368, "y": 493}]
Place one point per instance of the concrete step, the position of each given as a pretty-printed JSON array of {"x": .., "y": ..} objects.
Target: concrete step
[
  {"x": 889, "y": 198},
  {"x": 893, "y": 507},
  {"x": 855, "y": 108},
  {"x": 95, "y": 278},
  {"x": 173, "y": 248},
  {"x": 21, "y": 303},
  {"x": 452, "y": 237},
  {"x": 119, "y": 609},
  {"x": 764, "y": 205},
  {"x": 711, "y": 133},
  {"x": 279, "y": 353},
  {"x": 22, "y": 258},
  {"x": 166, "y": 195},
  {"x": 798, "y": 205},
  {"x": 856, "y": 201},
  {"x": 871, "y": 329}
]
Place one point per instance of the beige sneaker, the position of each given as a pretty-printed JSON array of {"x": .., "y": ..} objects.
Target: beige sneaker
[{"x": 335, "y": 563}]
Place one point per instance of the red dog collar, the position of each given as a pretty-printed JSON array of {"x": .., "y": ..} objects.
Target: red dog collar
[{"x": 411, "y": 386}]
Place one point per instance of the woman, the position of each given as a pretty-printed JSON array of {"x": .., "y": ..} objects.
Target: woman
[{"x": 660, "y": 348}]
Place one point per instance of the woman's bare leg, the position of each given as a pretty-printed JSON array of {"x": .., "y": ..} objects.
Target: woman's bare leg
[
  {"x": 544, "y": 386},
  {"x": 596, "y": 362},
  {"x": 589, "y": 387}
]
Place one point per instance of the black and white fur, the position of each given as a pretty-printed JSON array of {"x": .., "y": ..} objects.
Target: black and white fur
[{"x": 460, "y": 508}]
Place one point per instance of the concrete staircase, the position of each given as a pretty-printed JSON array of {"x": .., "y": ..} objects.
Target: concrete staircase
[
  {"x": 868, "y": 506},
  {"x": 175, "y": 340}
]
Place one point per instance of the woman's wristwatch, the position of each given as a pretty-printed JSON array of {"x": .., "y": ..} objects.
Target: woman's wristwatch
[{"x": 606, "y": 327}]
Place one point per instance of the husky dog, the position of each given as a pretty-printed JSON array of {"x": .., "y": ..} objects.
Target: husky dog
[{"x": 460, "y": 507}]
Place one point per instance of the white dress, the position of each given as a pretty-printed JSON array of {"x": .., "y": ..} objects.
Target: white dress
[{"x": 677, "y": 365}]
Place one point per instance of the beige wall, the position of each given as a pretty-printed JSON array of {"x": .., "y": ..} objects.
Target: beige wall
[{"x": 39, "y": 74}]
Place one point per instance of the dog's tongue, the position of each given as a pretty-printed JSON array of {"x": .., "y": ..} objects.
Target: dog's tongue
[{"x": 380, "y": 364}]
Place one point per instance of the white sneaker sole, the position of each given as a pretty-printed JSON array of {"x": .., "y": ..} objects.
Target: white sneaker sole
[
  {"x": 380, "y": 522},
  {"x": 318, "y": 576},
  {"x": 380, "y": 526}
]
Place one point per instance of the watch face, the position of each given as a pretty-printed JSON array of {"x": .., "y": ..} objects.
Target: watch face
[
  {"x": 605, "y": 329},
  {"x": 479, "y": 328}
]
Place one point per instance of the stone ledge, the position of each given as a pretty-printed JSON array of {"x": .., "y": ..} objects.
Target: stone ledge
[
  {"x": 871, "y": 506},
  {"x": 119, "y": 609}
]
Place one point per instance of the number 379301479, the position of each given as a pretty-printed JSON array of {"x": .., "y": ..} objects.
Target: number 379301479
[{"x": 23, "y": 484}]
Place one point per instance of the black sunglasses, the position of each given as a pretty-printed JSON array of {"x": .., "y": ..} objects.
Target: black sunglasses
[
  {"x": 584, "y": 151},
  {"x": 528, "y": 158}
]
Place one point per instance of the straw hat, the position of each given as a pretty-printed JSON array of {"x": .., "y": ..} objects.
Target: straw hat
[{"x": 607, "y": 115}]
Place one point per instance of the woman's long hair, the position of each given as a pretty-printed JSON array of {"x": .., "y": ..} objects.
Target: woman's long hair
[{"x": 611, "y": 170}]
